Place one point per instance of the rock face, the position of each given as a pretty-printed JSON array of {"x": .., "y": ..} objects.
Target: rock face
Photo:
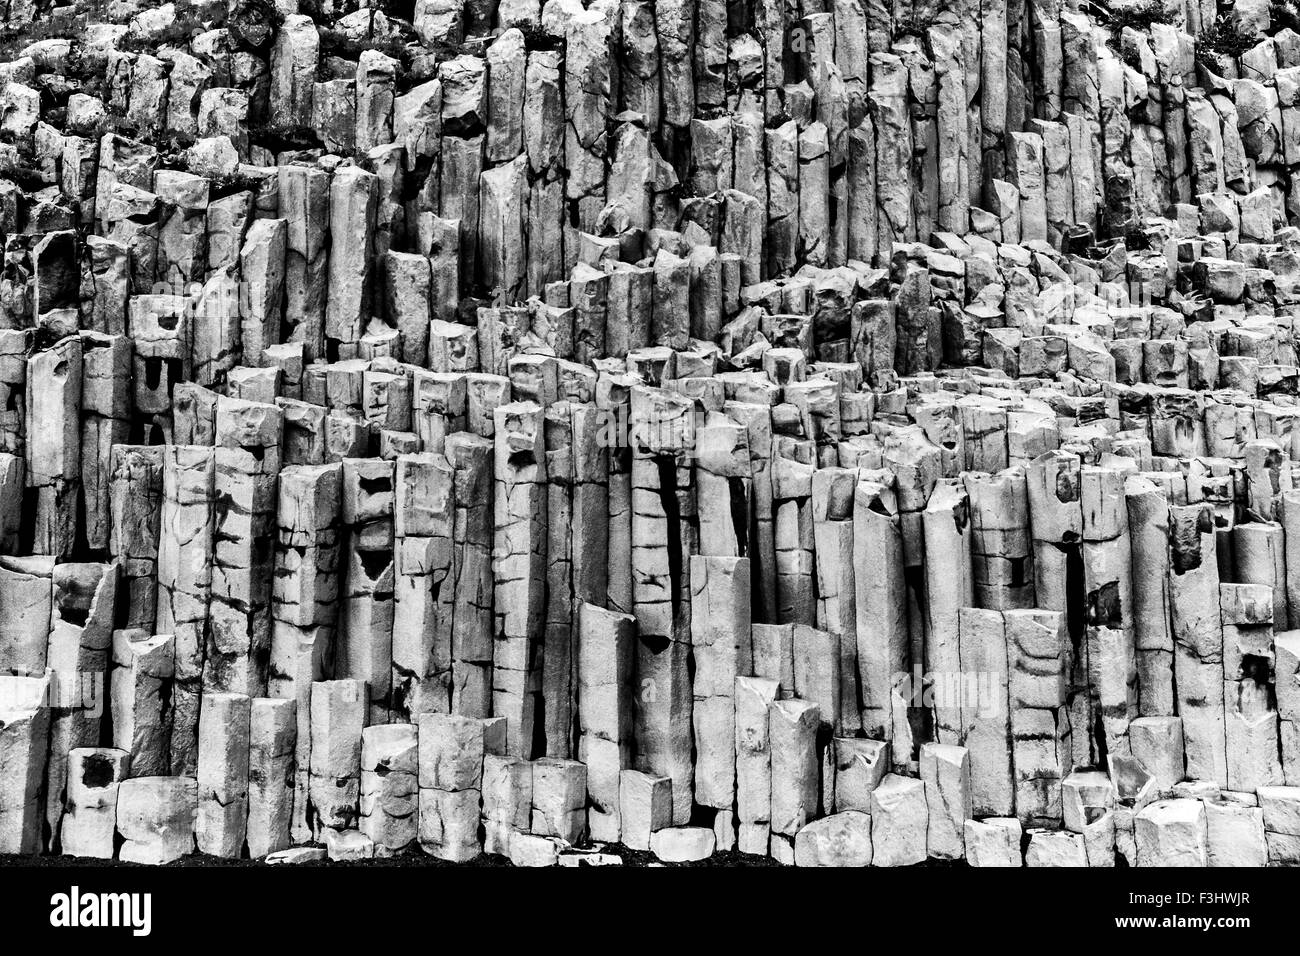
[
  {"x": 95, "y": 776},
  {"x": 1172, "y": 833},
  {"x": 838, "y": 434},
  {"x": 389, "y": 786},
  {"x": 682, "y": 844},
  {"x": 220, "y": 825},
  {"x": 155, "y": 816},
  {"x": 450, "y": 778},
  {"x": 899, "y": 822},
  {"x": 994, "y": 841},
  {"x": 841, "y": 839}
]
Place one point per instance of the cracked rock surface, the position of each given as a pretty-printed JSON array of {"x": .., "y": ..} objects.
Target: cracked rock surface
[{"x": 580, "y": 434}]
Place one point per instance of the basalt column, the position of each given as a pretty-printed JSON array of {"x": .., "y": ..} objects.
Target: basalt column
[
  {"x": 247, "y": 466},
  {"x": 663, "y": 539}
]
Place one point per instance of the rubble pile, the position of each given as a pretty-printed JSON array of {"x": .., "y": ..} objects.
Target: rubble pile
[{"x": 832, "y": 431}]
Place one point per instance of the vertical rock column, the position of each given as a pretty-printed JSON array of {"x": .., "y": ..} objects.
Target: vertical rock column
[
  {"x": 949, "y": 588},
  {"x": 304, "y": 607},
  {"x": 1001, "y": 552},
  {"x": 407, "y": 283},
  {"x": 1250, "y": 720},
  {"x": 996, "y": 21},
  {"x": 792, "y": 738},
  {"x": 986, "y": 712},
  {"x": 417, "y": 128},
  {"x": 662, "y": 541},
  {"x": 1025, "y": 172},
  {"x": 424, "y": 585},
  {"x": 577, "y": 564},
  {"x": 304, "y": 197},
  {"x": 221, "y": 823},
  {"x": 293, "y": 71},
  {"x": 108, "y": 285},
  {"x": 754, "y": 414},
  {"x": 26, "y": 592},
  {"x": 519, "y": 568},
  {"x": 833, "y": 527},
  {"x": 182, "y": 233},
  {"x": 504, "y": 187},
  {"x": 587, "y": 105},
  {"x": 262, "y": 261},
  {"x": 13, "y": 432},
  {"x": 353, "y": 204},
  {"x": 559, "y": 799},
  {"x": 814, "y": 237},
  {"x": 753, "y": 696},
  {"x": 135, "y": 501},
  {"x": 1289, "y": 515},
  {"x": 558, "y": 652},
  {"x": 783, "y": 197},
  {"x": 916, "y": 327},
  {"x": 90, "y": 823},
  {"x": 613, "y": 401},
  {"x": 472, "y": 628},
  {"x": 155, "y": 818},
  {"x": 606, "y": 654},
  {"x": 1259, "y": 554},
  {"x": 80, "y": 639},
  {"x": 338, "y": 716},
  {"x": 893, "y": 152},
  {"x": 140, "y": 698},
  {"x": 160, "y": 327},
  {"x": 1173, "y": 65},
  {"x": 239, "y": 614},
  {"x": 590, "y": 496},
  {"x": 544, "y": 136},
  {"x": 502, "y": 231},
  {"x": 185, "y": 584},
  {"x": 923, "y": 109},
  {"x": 954, "y": 166},
  {"x": 464, "y": 114},
  {"x": 1148, "y": 521},
  {"x": 376, "y": 77},
  {"x": 451, "y": 751},
  {"x": 1121, "y": 137},
  {"x": 389, "y": 786},
  {"x": 1040, "y": 728},
  {"x": 105, "y": 422},
  {"x": 1058, "y": 193},
  {"x": 272, "y": 739},
  {"x": 365, "y": 637},
  {"x": 864, "y": 224},
  {"x": 1196, "y": 622},
  {"x": 792, "y": 474},
  {"x": 946, "y": 772},
  {"x": 722, "y": 481},
  {"x": 884, "y": 641},
  {"x": 438, "y": 407},
  {"x": 1054, "y": 482},
  {"x": 24, "y": 739},
  {"x": 1108, "y": 590},
  {"x": 1056, "y": 516},
  {"x": 53, "y": 444},
  {"x": 720, "y": 635},
  {"x": 1044, "y": 26},
  {"x": 1286, "y": 648},
  {"x": 916, "y": 464}
]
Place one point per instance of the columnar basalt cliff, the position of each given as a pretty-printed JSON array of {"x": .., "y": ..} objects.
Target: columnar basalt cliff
[{"x": 834, "y": 431}]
